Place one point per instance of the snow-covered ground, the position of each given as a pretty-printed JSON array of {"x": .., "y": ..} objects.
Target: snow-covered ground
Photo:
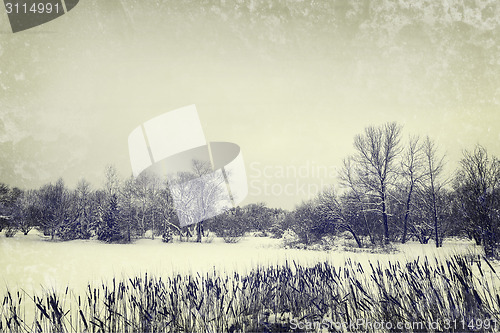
[{"x": 30, "y": 262}]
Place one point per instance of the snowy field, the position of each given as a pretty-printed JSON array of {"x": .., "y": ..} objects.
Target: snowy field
[
  {"x": 32, "y": 262},
  {"x": 48, "y": 286}
]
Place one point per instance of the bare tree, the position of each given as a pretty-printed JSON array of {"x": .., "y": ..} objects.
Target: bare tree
[
  {"x": 78, "y": 222},
  {"x": 142, "y": 187},
  {"x": 111, "y": 181},
  {"x": 412, "y": 171},
  {"x": 154, "y": 192},
  {"x": 375, "y": 166},
  {"x": 54, "y": 205},
  {"x": 27, "y": 208},
  {"x": 165, "y": 207},
  {"x": 477, "y": 186},
  {"x": 355, "y": 197},
  {"x": 198, "y": 194},
  {"x": 127, "y": 206},
  {"x": 305, "y": 221},
  {"x": 331, "y": 211},
  {"x": 434, "y": 185}
]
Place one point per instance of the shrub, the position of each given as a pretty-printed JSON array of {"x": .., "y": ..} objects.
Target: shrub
[
  {"x": 230, "y": 225},
  {"x": 232, "y": 239},
  {"x": 290, "y": 238},
  {"x": 232, "y": 233},
  {"x": 10, "y": 232},
  {"x": 167, "y": 236},
  {"x": 209, "y": 236}
]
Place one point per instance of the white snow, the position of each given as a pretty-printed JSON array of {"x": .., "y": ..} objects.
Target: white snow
[{"x": 30, "y": 262}]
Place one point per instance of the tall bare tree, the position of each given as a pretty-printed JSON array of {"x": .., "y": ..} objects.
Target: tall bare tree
[
  {"x": 375, "y": 166},
  {"x": 412, "y": 171},
  {"x": 434, "y": 185},
  {"x": 355, "y": 198},
  {"x": 111, "y": 180},
  {"x": 198, "y": 194},
  {"x": 142, "y": 187},
  {"x": 127, "y": 206},
  {"x": 165, "y": 207},
  {"x": 155, "y": 188}
]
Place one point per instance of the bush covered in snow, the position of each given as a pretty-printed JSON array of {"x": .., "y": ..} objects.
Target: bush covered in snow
[{"x": 290, "y": 238}]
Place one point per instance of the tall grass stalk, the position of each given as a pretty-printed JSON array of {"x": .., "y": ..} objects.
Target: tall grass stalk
[{"x": 460, "y": 289}]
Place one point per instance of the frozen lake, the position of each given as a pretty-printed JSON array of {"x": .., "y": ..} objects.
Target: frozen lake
[{"x": 32, "y": 261}]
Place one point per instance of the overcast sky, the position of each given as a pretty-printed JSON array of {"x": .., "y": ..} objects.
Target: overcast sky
[{"x": 291, "y": 82}]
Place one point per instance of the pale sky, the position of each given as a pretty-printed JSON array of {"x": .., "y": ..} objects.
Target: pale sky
[{"x": 291, "y": 84}]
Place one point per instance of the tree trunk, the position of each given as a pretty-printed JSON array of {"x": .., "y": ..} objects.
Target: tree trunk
[
  {"x": 356, "y": 238},
  {"x": 188, "y": 233},
  {"x": 153, "y": 225},
  {"x": 477, "y": 237},
  {"x": 488, "y": 244},
  {"x": 488, "y": 240},
  {"x": 386, "y": 226},
  {"x": 407, "y": 215},
  {"x": 128, "y": 232},
  {"x": 405, "y": 227},
  {"x": 199, "y": 231},
  {"x": 435, "y": 217},
  {"x": 368, "y": 229},
  {"x": 384, "y": 216},
  {"x": 143, "y": 232}
]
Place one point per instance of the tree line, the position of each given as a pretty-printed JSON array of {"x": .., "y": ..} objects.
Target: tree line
[
  {"x": 120, "y": 211},
  {"x": 390, "y": 190},
  {"x": 394, "y": 191}
]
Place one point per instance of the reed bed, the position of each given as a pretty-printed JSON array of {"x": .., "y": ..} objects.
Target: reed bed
[{"x": 445, "y": 295}]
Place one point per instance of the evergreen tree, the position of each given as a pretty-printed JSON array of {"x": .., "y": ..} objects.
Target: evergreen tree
[{"x": 110, "y": 230}]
